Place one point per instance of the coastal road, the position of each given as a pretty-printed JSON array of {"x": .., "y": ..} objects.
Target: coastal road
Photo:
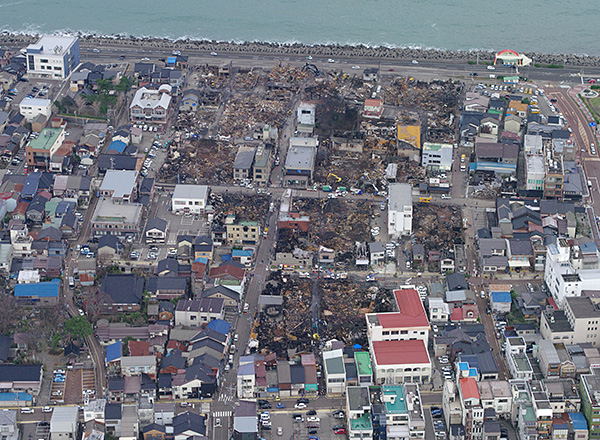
[
  {"x": 423, "y": 70},
  {"x": 110, "y": 51}
]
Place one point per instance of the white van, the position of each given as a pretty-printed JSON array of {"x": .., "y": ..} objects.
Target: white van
[{"x": 27, "y": 410}]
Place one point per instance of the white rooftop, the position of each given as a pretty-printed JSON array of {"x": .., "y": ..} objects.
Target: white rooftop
[
  {"x": 35, "y": 102},
  {"x": 190, "y": 192},
  {"x": 400, "y": 195},
  {"x": 52, "y": 45},
  {"x": 146, "y": 98},
  {"x": 121, "y": 182}
]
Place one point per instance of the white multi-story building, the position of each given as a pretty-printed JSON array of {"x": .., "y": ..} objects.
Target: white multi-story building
[
  {"x": 358, "y": 413},
  {"x": 397, "y": 362},
  {"x": 535, "y": 171},
  {"x": 31, "y": 108},
  {"x": 151, "y": 106},
  {"x": 472, "y": 410},
  {"x": 408, "y": 323},
  {"x": 570, "y": 270},
  {"x": 437, "y": 156},
  {"x": 403, "y": 412},
  {"x": 400, "y": 212},
  {"x": 189, "y": 199},
  {"x": 53, "y": 57},
  {"x": 496, "y": 394}
]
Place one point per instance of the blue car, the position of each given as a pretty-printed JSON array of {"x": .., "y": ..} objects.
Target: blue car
[
  {"x": 59, "y": 379},
  {"x": 313, "y": 437},
  {"x": 280, "y": 405}
]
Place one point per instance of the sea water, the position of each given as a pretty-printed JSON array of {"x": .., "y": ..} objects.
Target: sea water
[{"x": 549, "y": 26}]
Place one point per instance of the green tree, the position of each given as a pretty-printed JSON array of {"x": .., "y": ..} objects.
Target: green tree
[
  {"x": 78, "y": 327},
  {"x": 124, "y": 84}
]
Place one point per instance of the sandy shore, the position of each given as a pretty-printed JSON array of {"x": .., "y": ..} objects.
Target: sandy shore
[{"x": 323, "y": 50}]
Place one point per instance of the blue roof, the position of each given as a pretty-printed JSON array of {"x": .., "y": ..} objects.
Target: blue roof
[
  {"x": 578, "y": 420},
  {"x": 463, "y": 366},
  {"x": 114, "y": 351},
  {"x": 171, "y": 60},
  {"x": 30, "y": 187},
  {"x": 473, "y": 372},
  {"x": 241, "y": 253},
  {"x": 501, "y": 297},
  {"x": 226, "y": 257},
  {"x": 45, "y": 289},
  {"x": 588, "y": 248},
  {"x": 13, "y": 397},
  {"x": 220, "y": 326},
  {"x": 118, "y": 146},
  {"x": 201, "y": 260}
]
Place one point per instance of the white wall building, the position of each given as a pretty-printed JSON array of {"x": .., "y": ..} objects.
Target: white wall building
[
  {"x": 569, "y": 270},
  {"x": 190, "y": 199},
  {"x": 306, "y": 114},
  {"x": 63, "y": 424},
  {"x": 437, "y": 156},
  {"x": 31, "y": 108},
  {"x": 397, "y": 362},
  {"x": 400, "y": 210},
  {"x": 535, "y": 172},
  {"x": 53, "y": 57}
]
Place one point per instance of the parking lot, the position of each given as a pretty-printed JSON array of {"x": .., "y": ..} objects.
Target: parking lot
[{"x": 295, "y": 423}]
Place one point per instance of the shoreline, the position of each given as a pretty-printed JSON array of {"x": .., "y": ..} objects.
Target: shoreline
[{"x": 295, "y": 49}]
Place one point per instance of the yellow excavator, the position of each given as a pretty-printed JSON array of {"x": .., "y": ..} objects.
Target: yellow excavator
[{"x": 338, "y": 179}]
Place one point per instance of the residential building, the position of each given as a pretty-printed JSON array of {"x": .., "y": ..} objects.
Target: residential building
[
  {"x": 403, "y": 412},
  {"x": 305, "y": 117},
  {"x": 439, "y": 310},
  {"x": 496, "y": 395},
  {"x": 246, "y": 380},
  {"x": 437, "y": 156},
  {"x": 189, "y": 199},
  {"x": 535, "y": 172},
  {"x": 571, "y": 269},
  {"x": 31, "y": 108},
  {"x": 261, "y": 168},
  {"x": 40, "y": 150},
  {"x": 121, "y": 293},
  {"x": 198, "y": 312},
  {"x": 53, "y": 57},
  {"x": 373, "y": 108},
  {"x": 110, "y": 218},
  {"x": 472, "y": 409},
  {"x": 43, "y": 293},
  {"x": 400, "y": 210},
  {"x": 589, "y": 389},
  {"x": 358, "y": 413},
  {"x": 64, "y": 422},
  {"x": 156, "y": 231},
  {"x": 8, "y": 425},
  {"x": 335, "y": 371},
  {"x": 245, "y": 233},
  {"x": 138, "y": 365},
  {"x": 242, "y": 165},
  {"x": 151, "y": 106},
  {"x": 300, "y": 162},
  {"x": 120, "y": 186}
]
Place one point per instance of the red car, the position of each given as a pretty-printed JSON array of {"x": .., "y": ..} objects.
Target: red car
[{"x": 340, "y": 431}]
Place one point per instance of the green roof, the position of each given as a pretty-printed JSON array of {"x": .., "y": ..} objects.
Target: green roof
[
  {"x": 399, "y": 404},
  {"x": 363, "y": 423},
  {"x": 363, "y": 363},
  {"x": 46, "y": 139},
  {"x": 529, "y": 415}
]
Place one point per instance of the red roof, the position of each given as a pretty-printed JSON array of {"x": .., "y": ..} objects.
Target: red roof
[
  {"x": 457, "y": 314},
  {"x": 400, "y": 352},
  {"x": 227, "y": 269},
  {"x": 173, "y": 344},
  {"x": 373, "y": 102},
  {"x": 468, "y": 385},
  {"x": 411, "y": 312},
  {"x": 139, "y": 348}
]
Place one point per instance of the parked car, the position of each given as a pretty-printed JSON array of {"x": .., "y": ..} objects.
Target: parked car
[{"x": 300, "y": 406}]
